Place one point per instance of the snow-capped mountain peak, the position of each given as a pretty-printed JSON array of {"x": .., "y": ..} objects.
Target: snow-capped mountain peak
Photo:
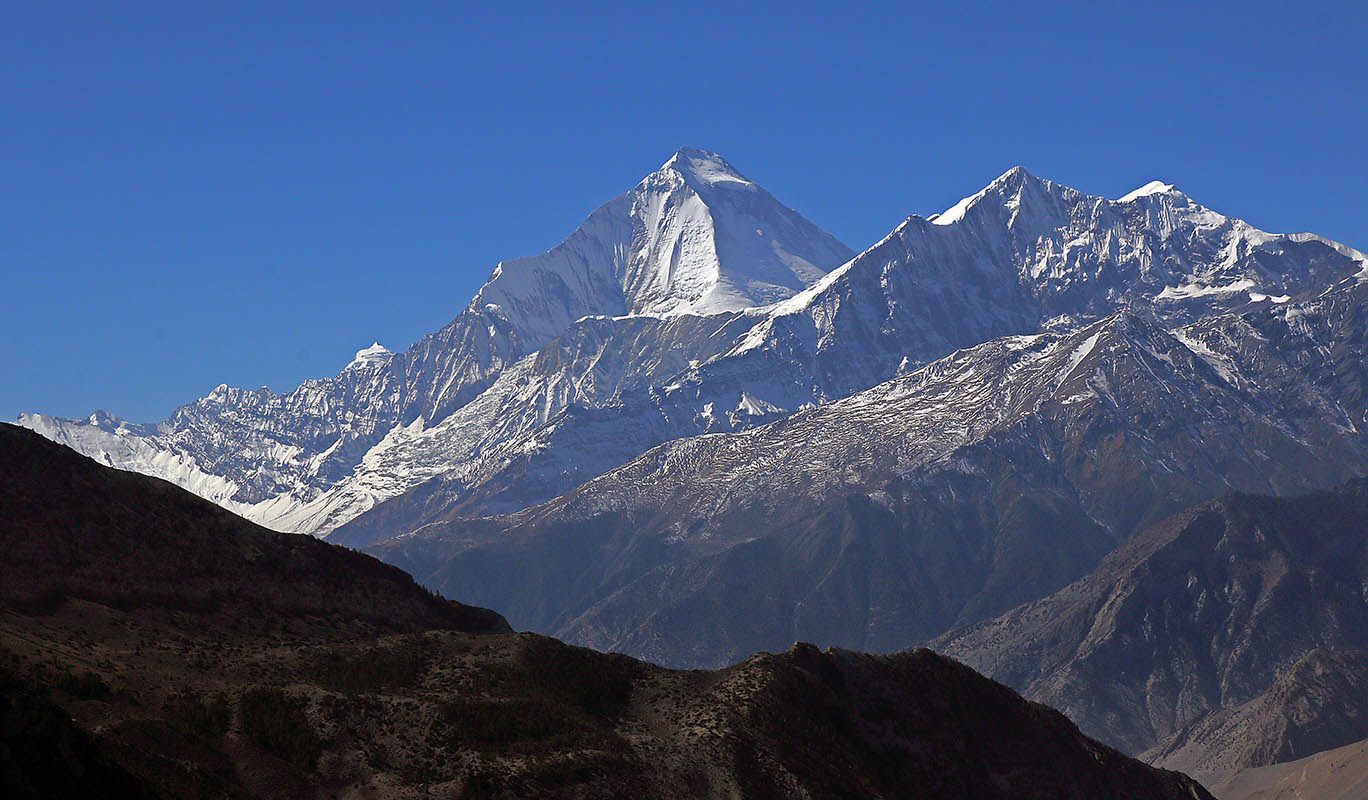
[
  {"x": 955, "y": 213},
  {"x": 370, "y": 356},
  {"x": 1012, "y": 189},
  {"x": 702, "y": 170},
  {"x": 695, "y": 236},
  {"x": 1022, "y": 255},
  {"x": 108, "y": 423},
  {"x": 1153, "y": 187}
]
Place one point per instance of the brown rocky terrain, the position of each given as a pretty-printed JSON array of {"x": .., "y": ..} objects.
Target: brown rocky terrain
[
  {"x": 1228, "y": 636},
  {"x": 154, "y": 645},
  {"x": 1321, "y": 703},
  {"x": 1339, "y": 774}
]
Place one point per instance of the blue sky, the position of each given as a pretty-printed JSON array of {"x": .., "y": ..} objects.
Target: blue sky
[{"x": 247, "y": 193}]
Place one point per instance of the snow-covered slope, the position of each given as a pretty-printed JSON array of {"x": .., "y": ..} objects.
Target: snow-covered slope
[
  {"x": 1021, "y": 256},
  {"x": 1024, "y": 255},
  {"x": 693, "y": 236}
]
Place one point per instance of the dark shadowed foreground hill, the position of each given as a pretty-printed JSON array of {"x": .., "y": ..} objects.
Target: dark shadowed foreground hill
[
  {"x": 74, "y": 529},
  {"x": 155, "y": 645}
]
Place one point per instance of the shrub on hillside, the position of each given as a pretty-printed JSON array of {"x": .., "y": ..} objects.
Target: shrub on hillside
[{"x": 276, "y": 723}]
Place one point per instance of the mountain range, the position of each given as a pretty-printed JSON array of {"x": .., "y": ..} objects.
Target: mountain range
[
  {"x": 1107, "y": 451},
  {"x": 693, "y": 238},
  {"x": 965, "y": 416},
  {"x": 694, "y": 303}
]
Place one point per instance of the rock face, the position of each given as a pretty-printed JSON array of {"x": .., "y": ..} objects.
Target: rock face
[
  {"x": 1228, "y": 636},
  {"x": 1319, "y": 704},
  {"x": 153, "y": 645}
]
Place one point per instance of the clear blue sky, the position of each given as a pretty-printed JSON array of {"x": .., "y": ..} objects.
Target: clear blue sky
[{"x": 197, "y": 193}]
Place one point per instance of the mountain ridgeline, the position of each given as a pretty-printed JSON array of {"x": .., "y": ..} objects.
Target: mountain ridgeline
[
  {"x": 693, "y": 238},
  {"x": 694, "y": 303}
]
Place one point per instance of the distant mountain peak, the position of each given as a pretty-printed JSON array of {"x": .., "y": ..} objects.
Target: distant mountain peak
[
  {"x": 375, "y": 354},
  {"x": 1153, "y": 187},
  {"x": 1013, "y": 178},
  {"x": 1007, "y": 185},
  {"x": 703, "y": 169},
  {"x": 695, "y": 236},
  {"x": 1016, "y": 174}
]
